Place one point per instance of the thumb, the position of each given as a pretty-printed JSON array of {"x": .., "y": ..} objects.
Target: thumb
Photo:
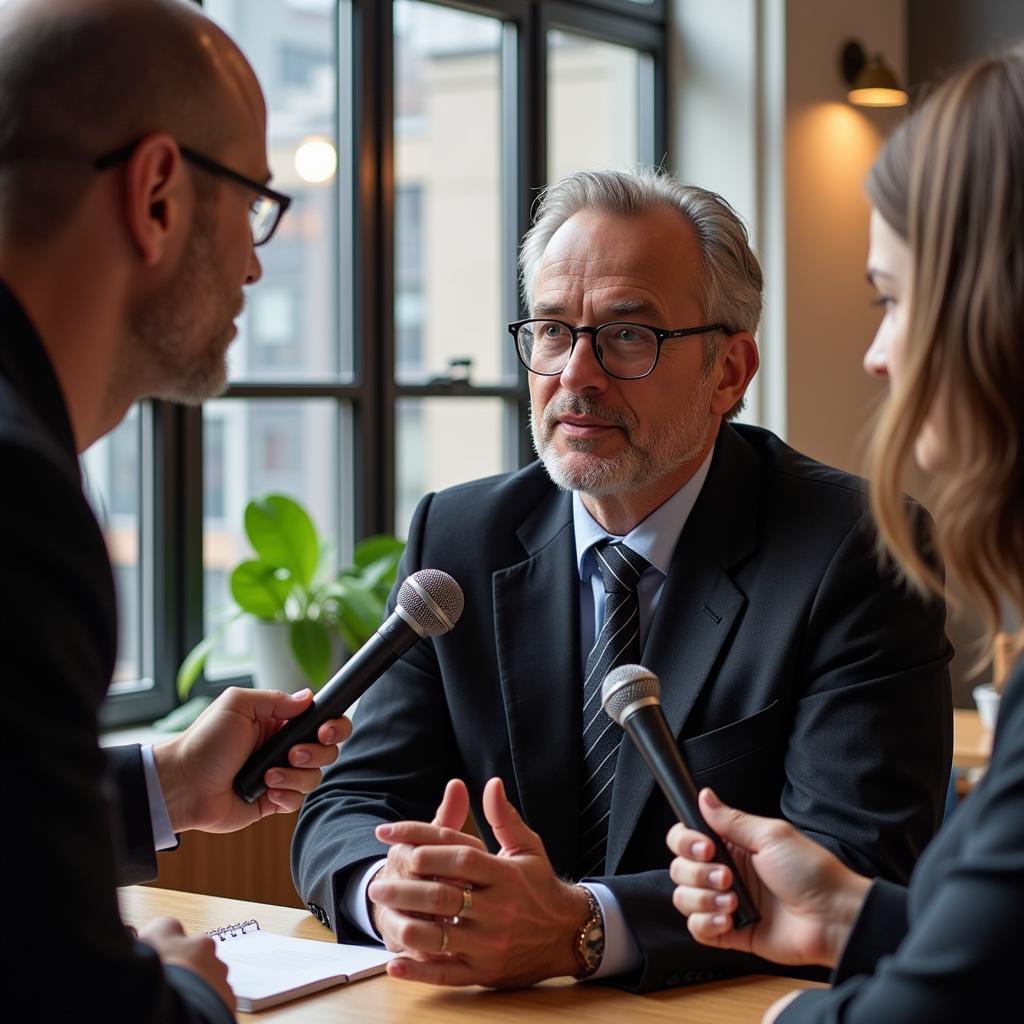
[
  {"x": 744, "y": 830},
  {"x": 515, "y": 836},
  {"x": 265, "y": 704},
  {"x": 454, "y": 808}
]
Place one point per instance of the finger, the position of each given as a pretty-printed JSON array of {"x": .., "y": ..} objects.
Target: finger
[
  {"x": 689, "y": 900},
  {"x": 284, "y": 801},
  {"x": 272, "y": 704},
  {"x": 334, "y": 731},
  {"x": 716, "y": 877},
  {"x": 298, "y": 780},
  {"x": 745, "y": 830},
  {"x": 313, "y": 755},
  {"x": 710, "y": 929},
  {"x": 419, "y": 833},
  {"x": 454, "y": 808},
  {"x": 421, "y": 937},
  {"x": 449, "y": 971},
  {"x": 685, "y": 842},
  {"x": 437, "y": 899},
  {"x": 465, "y": 863},
  {"x": 509, "y": 829}
]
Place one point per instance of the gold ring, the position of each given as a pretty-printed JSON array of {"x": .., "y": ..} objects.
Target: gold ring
[
  {"x": 444, "y": 937},
  {"x": 467, "y": 902}
]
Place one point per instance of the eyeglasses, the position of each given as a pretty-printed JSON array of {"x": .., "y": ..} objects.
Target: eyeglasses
[
  {"x": 624, "y": 350},
  {"x": 265, "y": 212}
]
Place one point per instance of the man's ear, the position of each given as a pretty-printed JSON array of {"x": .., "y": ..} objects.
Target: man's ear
[
  {"x": 735, "y": 366},
  {"x": 156, "y": 196}
]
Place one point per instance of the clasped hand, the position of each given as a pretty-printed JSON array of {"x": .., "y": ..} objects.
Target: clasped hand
[{"x": 522, "y": 919}]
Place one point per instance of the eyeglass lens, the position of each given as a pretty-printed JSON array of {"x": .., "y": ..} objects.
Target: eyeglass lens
[
  {"x": 623, "y": 349},
  {"x": 263, "y": 216}
]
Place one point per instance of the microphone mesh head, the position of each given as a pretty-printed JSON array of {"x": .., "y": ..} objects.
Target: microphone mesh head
[
  {"x": 626, "y": 685},
  {"x": 432, "y": 599}
]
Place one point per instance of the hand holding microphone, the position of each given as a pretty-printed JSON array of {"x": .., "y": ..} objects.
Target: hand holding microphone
[
  {"x": 631, "y": 696},
  {"x": 429, "y": 604}
]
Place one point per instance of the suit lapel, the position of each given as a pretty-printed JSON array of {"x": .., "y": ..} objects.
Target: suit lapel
[
  {"x": 536, "y": 626},
  {"x": 696, "y": 613}
]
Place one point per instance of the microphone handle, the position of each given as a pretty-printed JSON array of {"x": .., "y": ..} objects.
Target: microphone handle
[
  {"x": 650, "y": 732},
  {"x": 368, "y": 664}
]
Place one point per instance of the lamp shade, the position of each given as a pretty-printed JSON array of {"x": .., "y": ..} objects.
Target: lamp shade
[{"x": 872, "y": 82}]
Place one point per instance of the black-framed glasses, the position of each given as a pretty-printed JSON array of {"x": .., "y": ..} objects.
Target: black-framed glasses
[
  {"x": 265, "y": 212},
  {"x": 625, "y": 350}
]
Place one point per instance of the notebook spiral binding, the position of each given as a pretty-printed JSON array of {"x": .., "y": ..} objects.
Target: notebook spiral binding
[{"x": 229, "y": 931}]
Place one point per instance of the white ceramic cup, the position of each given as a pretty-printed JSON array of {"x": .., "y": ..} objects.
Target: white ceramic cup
[{"x": 986, "y": 699}]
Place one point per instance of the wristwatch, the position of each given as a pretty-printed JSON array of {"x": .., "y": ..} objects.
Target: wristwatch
[{"x": 590, "y": 938}]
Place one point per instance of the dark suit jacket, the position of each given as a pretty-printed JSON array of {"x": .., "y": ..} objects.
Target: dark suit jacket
[
  {"x": 951, "y": 947},
  {"x": 64, "y": 819},
  {"x": 800, "y": 680}
]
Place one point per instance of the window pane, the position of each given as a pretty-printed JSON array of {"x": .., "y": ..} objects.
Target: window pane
[
  {"x": 593, "y": 104},
  {"x": 290, "y": 329},
  {"x": 445, "y": 441},
  {"x": 113, "y": 472},
  {"x": 448, "y": 196},
  {"x": 253, "y": 448}
]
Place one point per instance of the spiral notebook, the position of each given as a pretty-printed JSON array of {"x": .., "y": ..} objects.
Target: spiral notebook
[{"x": 265, "y": 969}]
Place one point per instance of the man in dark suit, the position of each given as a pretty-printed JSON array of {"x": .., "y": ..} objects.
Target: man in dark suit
[
  {"x": 798, "y": 675},
  {"x": 122, "y": 262}
]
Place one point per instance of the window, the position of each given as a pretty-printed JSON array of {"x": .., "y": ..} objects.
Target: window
[{"x": 372, "y": 364}]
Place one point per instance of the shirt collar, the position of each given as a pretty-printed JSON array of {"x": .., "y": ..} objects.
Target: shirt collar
[{"x": 656, "y": 536}]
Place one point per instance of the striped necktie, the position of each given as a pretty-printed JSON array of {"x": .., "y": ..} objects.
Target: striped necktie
[{"x": 618, "y": 643}]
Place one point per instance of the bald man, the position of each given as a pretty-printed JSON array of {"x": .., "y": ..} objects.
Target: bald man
[{"x": 133, "y": 190}]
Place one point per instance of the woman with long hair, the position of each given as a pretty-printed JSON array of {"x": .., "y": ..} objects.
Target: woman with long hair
[{"x": 947, "y": 261}]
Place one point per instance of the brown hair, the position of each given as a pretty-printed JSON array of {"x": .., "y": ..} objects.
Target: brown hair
[{"x": 951, "y": 181}]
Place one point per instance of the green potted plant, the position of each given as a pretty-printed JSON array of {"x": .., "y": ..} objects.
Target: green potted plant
[{"x": 313, "y": 615}]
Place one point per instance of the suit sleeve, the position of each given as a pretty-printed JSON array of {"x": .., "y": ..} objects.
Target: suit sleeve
[
  {"x": 60, "y": 853},
  {"x": 866, "y": 761},
  {"x": 134, "y": 832},
  {"x": 959, "y": 959},
  {"x": 395, "y": 766}
]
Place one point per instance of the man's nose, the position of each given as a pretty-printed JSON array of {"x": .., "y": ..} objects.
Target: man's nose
[{"x": 583, "y": 372}]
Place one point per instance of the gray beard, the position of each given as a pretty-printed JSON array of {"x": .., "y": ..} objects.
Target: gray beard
[{"x": 631, "y": 469}]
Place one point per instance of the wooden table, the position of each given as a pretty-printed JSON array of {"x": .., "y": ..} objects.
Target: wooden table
[
  {"x": 972, "y": 742},
  {"x": 384, "y": 1000}
]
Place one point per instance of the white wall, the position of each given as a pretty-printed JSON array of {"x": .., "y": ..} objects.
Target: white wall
[{"x": 758, "y": 113}]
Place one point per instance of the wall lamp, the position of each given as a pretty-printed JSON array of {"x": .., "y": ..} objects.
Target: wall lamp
[{"x": 872, "y": 83}]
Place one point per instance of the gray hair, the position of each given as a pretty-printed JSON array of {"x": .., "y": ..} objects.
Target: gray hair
[{"x": 732, "y": 275}]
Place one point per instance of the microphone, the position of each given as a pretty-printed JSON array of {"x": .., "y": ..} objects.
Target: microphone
[
  {"x": 429, "y": 604},
  {"x": 631, "y": 695}
]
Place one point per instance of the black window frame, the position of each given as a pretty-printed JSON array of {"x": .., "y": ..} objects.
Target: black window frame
[{"x": 172, "y": 461}]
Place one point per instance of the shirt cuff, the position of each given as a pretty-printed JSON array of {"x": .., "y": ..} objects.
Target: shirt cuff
[
  {"x": 163, "y": 835},
  {"x": 355, "y": 905},
  {"x": 621, "y": 953}
]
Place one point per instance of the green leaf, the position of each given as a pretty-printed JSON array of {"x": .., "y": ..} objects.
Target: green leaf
[
  {"x": 182, "y": 717},
  {"x": 311, "y": 645},
  {"x": 373, "y": 549},
  {"x": 259, "y": 590},
  {"x": 194, "y": 661},
  {"x": 358, "y": 609},
  {"x": 282, "y": 534}
]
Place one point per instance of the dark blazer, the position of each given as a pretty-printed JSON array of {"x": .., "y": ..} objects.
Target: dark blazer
[
  {"x": 951, "y": 947},
  {"x": 799, "y": 679},
  {"x": 65, "y": 821}
]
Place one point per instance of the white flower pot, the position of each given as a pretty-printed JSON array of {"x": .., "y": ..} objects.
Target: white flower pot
[{"x": 275, "y": 666}]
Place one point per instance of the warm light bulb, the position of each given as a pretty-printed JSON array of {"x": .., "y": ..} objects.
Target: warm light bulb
[
  {"x": 316, "y": 160},
  {"x": 877, "y": 97}
]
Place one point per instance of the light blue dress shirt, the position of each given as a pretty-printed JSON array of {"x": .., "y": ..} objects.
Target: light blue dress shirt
[{"x": 655, "y": 538}]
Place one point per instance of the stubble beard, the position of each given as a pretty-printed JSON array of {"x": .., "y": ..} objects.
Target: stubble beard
[
  {"x": 198, "y": 302},
  {"x": 633, "y": 467}
]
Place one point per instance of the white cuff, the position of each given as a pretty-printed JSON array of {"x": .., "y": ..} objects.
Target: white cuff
[
  {"x": 355, "y": 905},
  {"x": 163, "y": 835},
  {"x": 621, "y": 953}
]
